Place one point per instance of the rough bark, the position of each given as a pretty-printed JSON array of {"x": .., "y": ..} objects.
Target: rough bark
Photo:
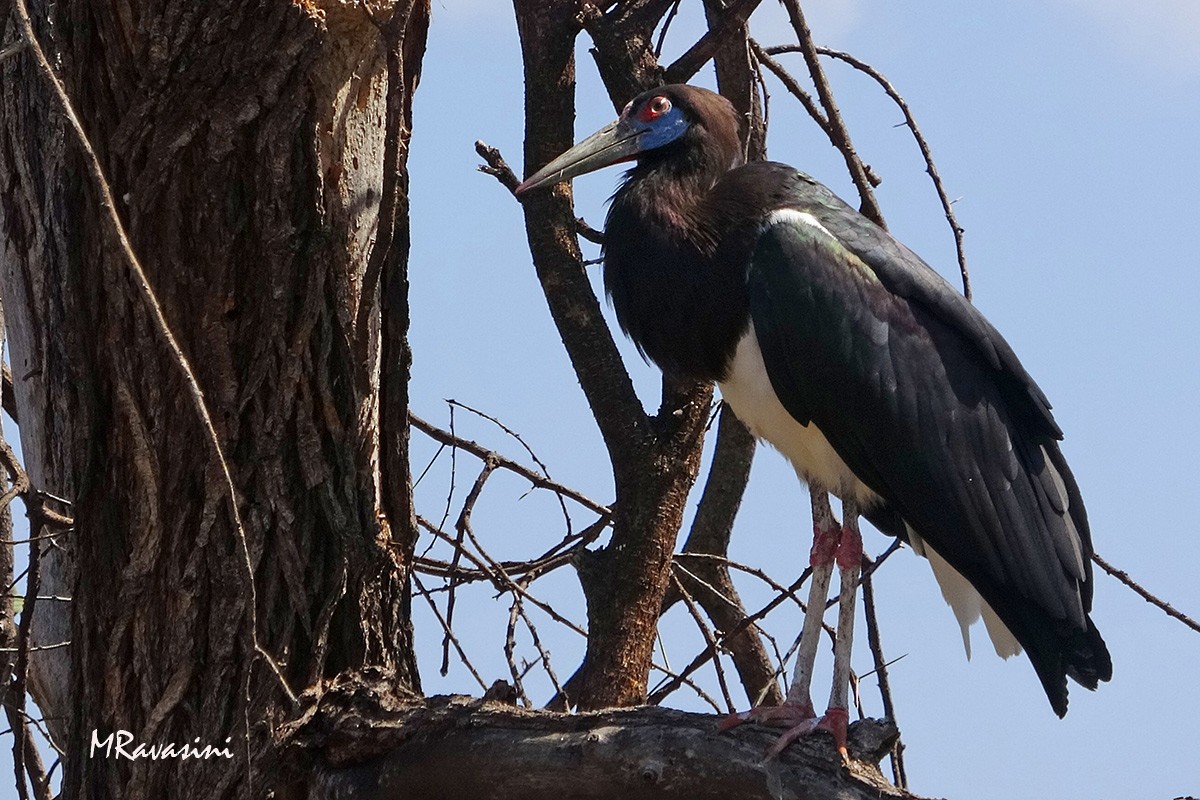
[
  {"x": 418, "y": 751},
  {"x": 245, "y": 144}
]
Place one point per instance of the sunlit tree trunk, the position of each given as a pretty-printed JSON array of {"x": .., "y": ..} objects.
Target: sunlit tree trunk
[{"x": 245, "y": 145}]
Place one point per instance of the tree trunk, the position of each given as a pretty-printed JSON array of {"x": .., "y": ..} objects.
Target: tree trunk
[
  {"x": 209, "y": 339},
  {"x": 245, "y": 144}
]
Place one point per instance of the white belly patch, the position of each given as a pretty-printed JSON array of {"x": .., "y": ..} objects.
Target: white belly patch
[{"x": 748, "y": 390}]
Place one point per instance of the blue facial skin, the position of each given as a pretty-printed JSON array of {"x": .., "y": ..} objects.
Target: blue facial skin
[{"x": 664, "y": 130}]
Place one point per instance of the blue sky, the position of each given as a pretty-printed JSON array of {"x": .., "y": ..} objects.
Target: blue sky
[{"x": 1066, "y": 131}]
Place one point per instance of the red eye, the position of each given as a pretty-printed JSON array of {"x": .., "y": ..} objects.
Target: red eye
[{"x": 655, "y": 108}]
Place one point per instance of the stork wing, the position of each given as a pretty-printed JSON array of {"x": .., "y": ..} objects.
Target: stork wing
[{"x": 928, "y": 405}]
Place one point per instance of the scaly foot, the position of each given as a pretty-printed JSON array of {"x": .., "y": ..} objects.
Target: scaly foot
[{"x": 799, "y": 719}]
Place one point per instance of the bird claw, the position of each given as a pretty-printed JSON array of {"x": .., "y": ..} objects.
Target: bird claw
[{"x": 800, "y": 720}]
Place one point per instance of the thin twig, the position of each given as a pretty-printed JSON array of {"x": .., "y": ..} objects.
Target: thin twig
[
  {"x": 677, "y": 680},
  {"x": 481, "y": 452},
  {"x": 791, "y": 85},
  {"x": 36, "y": 648},
  {"x": 540, "y": 464},
  {"x": 784, "y": 592},
  {"x": 711, "y": 640},
  {"x": 543, "y": 654},
  {"x": 453, "y": 469},
  {"x": 659, "y": 694},
  {"x": 1124, "y": 578},
  {"x": 881, "y": 664},
  {"x": 462, "y": 528},
  {"x": 555, "y": 558},
  {"x": 930, "y": 167},
  {"x": 421, "y": 590},
  {"x": 666, "y": 26},
  {"x": 839, "y": 134},
  {"x": 17, "y": 691},
  {"x": 510, "y": 647},
  {"x": 500, "y": 580}
]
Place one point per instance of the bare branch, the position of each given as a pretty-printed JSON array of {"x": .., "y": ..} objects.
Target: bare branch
[
  {"x": 637, "y": 754},
  {"x": 881, "y": 673},
  {"x": 540, "y": 464},
  {"x": 732, "y": 22},
  {"x": 25, "y": 755},
  {"x": 481, "y": 452},
  {"x": 666, "y": 26},
  {"x": 706, "y": 632},
  {"x": 501, "y": 580},
  {"x": 926, "y": 153},
  {"x": 462, "y": 528},
  {"x": 791, "y": 85},
  {"x": 495, "y": 165},
  {"x": 838, "y": 133},
  {"x": 1141, "y": 592},
  {"x": 449, "y": 632}
]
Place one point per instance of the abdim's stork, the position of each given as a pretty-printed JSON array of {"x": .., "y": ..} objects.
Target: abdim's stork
[{"x": 849, "y": 354}]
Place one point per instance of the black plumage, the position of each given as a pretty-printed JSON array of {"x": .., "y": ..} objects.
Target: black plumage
[{"x": 921, "y": 398}]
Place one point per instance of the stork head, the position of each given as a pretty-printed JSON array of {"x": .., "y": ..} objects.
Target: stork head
[{"x": 680, "y": 122}]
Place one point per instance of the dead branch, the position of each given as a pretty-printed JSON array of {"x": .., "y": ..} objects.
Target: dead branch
[
  {"x": 911, "y": 123},
  {"x": 495, "y": 165},
  {"x": 881, "y": 675},
  {"x": 484, "y": 454},
  {"x": 712, "y": 585},
  {"x": 1143, "y": 593},
  {"x": 416, "y": 752},
  {"x": 839, "y": 134},
  {"x": 732, "y": 23}
]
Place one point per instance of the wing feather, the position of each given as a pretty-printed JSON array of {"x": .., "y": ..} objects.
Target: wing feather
[{"x": 929, "y": 406}]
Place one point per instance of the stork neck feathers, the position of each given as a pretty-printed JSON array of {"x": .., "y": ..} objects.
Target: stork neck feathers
[
  {"x": 670, "y": 187},
  {"x": 675, "y": 295}
]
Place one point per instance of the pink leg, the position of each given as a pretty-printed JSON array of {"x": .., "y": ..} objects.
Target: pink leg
[
  {"x": 831, "y": 544},
  {"x": 849, "y": 561},
  {"x": 797, "y": 709}
]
